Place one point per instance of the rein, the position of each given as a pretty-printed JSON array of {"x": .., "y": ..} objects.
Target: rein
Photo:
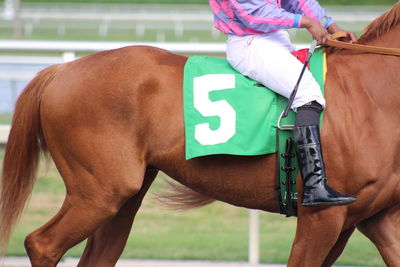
[{"x": 333, "y": 42}]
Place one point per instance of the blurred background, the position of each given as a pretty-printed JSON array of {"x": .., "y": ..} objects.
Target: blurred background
[
  {"x": 184, "y": 21},
  {"x": 35, "y": 34}
]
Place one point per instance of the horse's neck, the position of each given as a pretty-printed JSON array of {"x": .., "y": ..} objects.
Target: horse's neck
[
  {"x": 384, "y": 82},
  {"x": 368, "y": 82}
]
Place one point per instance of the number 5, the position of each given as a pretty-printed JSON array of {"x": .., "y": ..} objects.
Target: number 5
[{"x": 202, "y": 86}]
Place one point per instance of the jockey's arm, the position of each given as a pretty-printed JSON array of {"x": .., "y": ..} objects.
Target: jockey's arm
[
  {"x": 312, "y": 9},
  {"x": 262, "y": 16},
  {"x": 317, "y": 31}
]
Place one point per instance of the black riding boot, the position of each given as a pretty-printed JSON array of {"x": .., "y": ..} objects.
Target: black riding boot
[{"x": 316, "y": 192}]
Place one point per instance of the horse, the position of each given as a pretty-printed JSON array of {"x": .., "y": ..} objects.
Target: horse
[{"x": 113, "y": 119}]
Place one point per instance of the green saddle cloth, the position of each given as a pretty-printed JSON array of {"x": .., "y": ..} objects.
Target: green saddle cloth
[{"x": 228, "y": 113}]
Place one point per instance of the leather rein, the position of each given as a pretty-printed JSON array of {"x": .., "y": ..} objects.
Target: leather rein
[{"x": 332, "y": 41}]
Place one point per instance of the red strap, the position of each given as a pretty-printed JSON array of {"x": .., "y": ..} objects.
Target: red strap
[{"x": 301, "y": 54}]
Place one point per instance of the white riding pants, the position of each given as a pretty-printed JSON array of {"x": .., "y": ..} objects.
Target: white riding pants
[{"x": 267, "y": 59}]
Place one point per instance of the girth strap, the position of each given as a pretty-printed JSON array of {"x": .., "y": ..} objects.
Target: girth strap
[{"x": 289, "y": 169}]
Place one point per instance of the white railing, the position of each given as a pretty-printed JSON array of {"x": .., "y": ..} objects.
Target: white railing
[
  {"x": 91, "y": 47},
  {"x": 73, "y": 47},
  {"x": 4, "y": 132}
]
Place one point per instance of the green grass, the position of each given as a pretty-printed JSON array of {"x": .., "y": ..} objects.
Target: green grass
[
  {"x": 215, "y": 232},
  {"x": 5, "y": 118},
  {"x": 120, "y": 35}
]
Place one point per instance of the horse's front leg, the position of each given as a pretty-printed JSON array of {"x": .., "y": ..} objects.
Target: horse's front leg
[
  {"x": 383, "y": 229},
  {"x": 317, "y": 233},
  {"x": 338, "y": 248}
]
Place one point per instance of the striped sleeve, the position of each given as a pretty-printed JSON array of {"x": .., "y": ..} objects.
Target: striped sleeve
[
  {"x": 262, "y": 16},
  {"x": 309, "y": 8}
]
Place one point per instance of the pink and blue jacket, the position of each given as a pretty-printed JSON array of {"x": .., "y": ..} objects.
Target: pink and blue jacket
[{"x": 247, "y": 17}]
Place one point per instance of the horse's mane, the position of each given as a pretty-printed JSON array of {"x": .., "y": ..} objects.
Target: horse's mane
[
  {"x": 378, "y": 27},
  {"x": 382, "y": 25}
]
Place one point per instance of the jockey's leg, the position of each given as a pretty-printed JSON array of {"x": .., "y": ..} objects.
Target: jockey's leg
[
  {"x": 316, "y": 192},
  {"x": 267, "y": 58}
]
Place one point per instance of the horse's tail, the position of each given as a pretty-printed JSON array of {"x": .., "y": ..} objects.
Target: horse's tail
[
  {"x": 182, "y": 198},
  {"x": 22, "y": 153}
]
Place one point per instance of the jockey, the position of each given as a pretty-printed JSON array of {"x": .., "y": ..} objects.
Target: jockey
[{"x": 259, "y": 47}]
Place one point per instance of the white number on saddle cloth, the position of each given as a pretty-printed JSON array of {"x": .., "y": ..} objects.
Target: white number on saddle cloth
[{"x": 202, "y": 86}]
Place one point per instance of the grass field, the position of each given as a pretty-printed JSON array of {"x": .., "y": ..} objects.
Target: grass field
[
  {"x": 5, "y": 118},
  {"x": 214, "y": 232}
]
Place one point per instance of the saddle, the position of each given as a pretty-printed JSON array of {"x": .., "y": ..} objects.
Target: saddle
[{"x": 228, "y": 113}]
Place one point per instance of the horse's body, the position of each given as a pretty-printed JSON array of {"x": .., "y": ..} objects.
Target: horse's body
[{"x": 108, "y": 119}]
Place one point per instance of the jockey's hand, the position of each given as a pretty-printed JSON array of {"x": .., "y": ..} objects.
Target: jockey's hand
[
  {"x": 351, "y": 37},
  {"x": 317, "y": 31}
]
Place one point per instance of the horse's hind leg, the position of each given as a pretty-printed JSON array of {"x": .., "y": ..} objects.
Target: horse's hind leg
[
  {"x": 106, "y": 245},
  {"x": 383, "y": 230},
  {"x": 101, "y": 170}
]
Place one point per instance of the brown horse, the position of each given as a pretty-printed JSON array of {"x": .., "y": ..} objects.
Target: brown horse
[{"x": 109, "y": 120}]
